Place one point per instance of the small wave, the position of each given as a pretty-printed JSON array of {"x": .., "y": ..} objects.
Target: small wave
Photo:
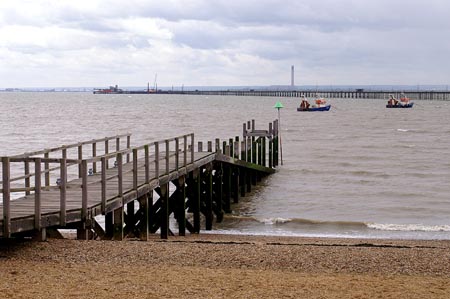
[
  {"x": 278, "y": 220},
  {"x": 403, "y": 130},
  {"x": 409, "y": 227}
]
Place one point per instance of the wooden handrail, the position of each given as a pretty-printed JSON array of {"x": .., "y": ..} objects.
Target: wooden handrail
[{"x": 65, "y": 147}]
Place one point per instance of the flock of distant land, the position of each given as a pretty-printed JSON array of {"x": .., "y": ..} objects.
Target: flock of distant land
[{"x": 404, "y": 88}]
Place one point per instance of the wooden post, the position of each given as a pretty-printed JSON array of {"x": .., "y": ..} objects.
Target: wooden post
[
  {"x": 210, "y": 146},
  {"x": 263, "y": 151},
  {"x": 128, "y": 147},
  {"x": 80, "y": 157},
  {"x": 236, "y": 147},
  {"x": 242, "y": 172},
  {"x": 184, "y": 150},
  {"x": 27, "y": 177},
  {"x": 47, "y": 173},
  {"x": 131, "y": 217},
  {"x": 192, "y": 148},
  {"x": 143, "y": 223},
  {"x": 270, "y": 146},
  {"x": 249, "y": 149},
  {"x": 135, "y": 169},
  {"x": 118, "y": 224},
  {"x": 103, "y": 182},
  {"x": 120, "y": 174},
  {"x": 259, "y": 144},
  {"x": 157, "y": 160},
  {"x": 275, "y": 143},
  {"x": 226, "y": 188},
  {"x": 235, "y": 183},
  {"x": 231, "y": 147},
  {"x": 147, "y": 164},
  {"x": 195, "y": 201},
  {"x": 109, "y": 225},
  {"x": 249, "y": 173},
  {"x": 6, "y": 186},
  {"x": 208, "y": 197},
  {"x": 94, "y": 154},
  {"x": 219, "y": 191},
  {"x": 37, "y": 193},
  {"x": 167, "y": 157},
  {"x": 117, "y": 144},
  {"x": 254, "y": 149},
  {"x": 62, "y": 189},
  {"x": 164, "y": 229},
  {"x": 84, "y": 196},
  {"x": 177, "y": 153},
  {"x": 217, "y": 145},
  {"x": 200, "y": 147},
  {"x": 181, "y": 205},
  {"x": 106, "y": 152}
]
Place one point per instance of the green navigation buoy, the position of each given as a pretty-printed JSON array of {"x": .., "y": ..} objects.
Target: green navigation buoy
[{"x": 278, "y": 106}]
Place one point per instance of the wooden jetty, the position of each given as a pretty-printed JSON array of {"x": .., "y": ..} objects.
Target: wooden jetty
[{"x": 140, "y": 190}]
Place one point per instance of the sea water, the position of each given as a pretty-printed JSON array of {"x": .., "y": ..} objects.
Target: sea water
[{"x": 358, "y": 170}]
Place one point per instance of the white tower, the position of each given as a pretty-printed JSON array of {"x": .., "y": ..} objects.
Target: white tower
[{"x": 292, "y": 76}]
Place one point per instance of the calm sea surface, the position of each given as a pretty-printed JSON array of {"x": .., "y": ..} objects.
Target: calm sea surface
[{"x": 359, "y": 170}]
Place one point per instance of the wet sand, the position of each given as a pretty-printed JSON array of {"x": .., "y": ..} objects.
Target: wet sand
[{"x": 225, "y": 266}]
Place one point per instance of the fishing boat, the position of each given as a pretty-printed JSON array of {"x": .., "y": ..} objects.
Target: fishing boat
[
  {"x": 320, "y": 105},
  {"x": 404, "y": 102}
]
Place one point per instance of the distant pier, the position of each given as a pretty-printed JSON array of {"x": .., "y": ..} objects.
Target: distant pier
[{"x": 338, "y": 94}]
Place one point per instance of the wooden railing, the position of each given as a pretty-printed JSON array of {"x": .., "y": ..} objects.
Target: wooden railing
[{"x": 182, "y": 148}]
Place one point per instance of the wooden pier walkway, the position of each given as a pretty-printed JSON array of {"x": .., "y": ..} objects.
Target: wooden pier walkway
[
  {"x": 140, "y": 190},
  {"x": 338, "y": 94}
]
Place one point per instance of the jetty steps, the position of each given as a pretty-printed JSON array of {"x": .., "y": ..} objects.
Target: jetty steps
[{"x": 140, "y": 190}]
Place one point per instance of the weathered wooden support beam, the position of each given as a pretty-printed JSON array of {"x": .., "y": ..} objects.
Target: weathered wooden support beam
[
  {"x": 242, "y": 173},
  {"x": 164, "y": 227},
  {"x": 195, "y": 200},
  {"x": 118, "y": 224},
  {"x": 144, "y": 202},
  {"x": 40, "y": 235},
  {"x": 270, "y": 146},
  {"x": 83, "y": 233},
  {"x": 226, "y": 188},
  {"x": 208, "y": 196},
  {"x": 180, "y": 205},
  {"x": 235, "y": 183},
  {"x": 130, "y": 219},
  {"x": 109, "y": 226},
  {"x": 218, "y": 192}
]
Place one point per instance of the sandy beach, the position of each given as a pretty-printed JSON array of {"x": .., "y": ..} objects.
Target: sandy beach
[{"x": 225, "y": 266}]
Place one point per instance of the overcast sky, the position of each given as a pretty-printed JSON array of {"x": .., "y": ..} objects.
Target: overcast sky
[{"x": 55, "y": 43}]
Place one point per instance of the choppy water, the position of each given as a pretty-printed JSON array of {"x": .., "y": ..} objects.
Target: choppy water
[{"x": 359, "y": 170}]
